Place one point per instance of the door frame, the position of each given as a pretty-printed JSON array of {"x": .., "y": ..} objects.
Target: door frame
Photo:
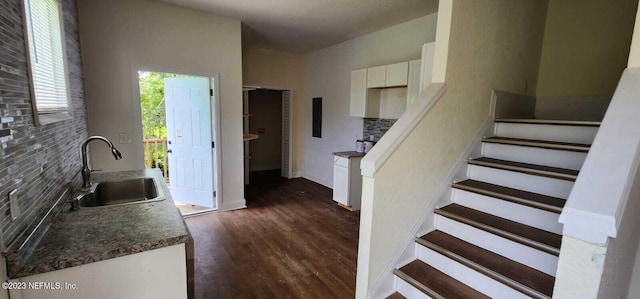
[
  {"x": 290, "y": 120},
  {"x": 214, "y": 79}
]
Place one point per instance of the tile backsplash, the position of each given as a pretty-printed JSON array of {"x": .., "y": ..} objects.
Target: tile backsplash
[
  {"x": 38, "y": 161},
  {"x": 376, "y": 127}
]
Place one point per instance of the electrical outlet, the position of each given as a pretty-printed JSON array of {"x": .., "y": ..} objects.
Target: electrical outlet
[
  {"x": 13, "y": 204},
  {"x": 124, "y": 138}
]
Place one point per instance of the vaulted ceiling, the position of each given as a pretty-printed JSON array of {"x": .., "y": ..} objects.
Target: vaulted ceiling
[{"x": 302, "y": 26}]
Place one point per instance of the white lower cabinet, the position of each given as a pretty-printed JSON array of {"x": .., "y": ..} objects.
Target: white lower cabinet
[
  {"x": 347, "y": 182},
  {"x": 158, "y": 273},
  {"x": 341, "y": 184}
]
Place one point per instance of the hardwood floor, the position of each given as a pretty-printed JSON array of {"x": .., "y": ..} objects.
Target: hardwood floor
[{"x": 292, "y": 241}]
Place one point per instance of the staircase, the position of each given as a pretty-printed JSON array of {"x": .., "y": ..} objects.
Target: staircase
[{"x": 500, "y": 236}]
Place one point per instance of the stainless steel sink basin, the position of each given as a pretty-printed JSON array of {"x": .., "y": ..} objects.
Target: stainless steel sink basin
[{"x": 138, "y": 190}]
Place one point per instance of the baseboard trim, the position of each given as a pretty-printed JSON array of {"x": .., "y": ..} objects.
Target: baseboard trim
[
  {"x": 317, "y": 180},
  {"x": 384, "y": 285},
  {"x": 236, "y": 205}
]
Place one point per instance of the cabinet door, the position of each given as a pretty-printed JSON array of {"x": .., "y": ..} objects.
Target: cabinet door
[
  {"x": 413, "y": 84},
  {"x": 397, "y": 74},
  {"x": 341, "y": 184},
  {"x": 358, "y": 105},
  {"x": 376, "y": 76}
]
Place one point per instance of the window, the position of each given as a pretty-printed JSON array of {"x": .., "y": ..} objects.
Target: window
[{"x": 47, "y": 60}]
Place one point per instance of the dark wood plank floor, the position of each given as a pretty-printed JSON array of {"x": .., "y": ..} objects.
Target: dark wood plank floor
[{"x": 292, "y": 241}]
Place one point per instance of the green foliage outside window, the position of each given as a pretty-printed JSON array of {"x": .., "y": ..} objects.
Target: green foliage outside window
[{"x": 154, "y": 125}]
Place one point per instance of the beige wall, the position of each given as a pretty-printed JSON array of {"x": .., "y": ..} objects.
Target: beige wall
[
  {"x": 634, "y": 55},
  {"x": 265, "y": 107},
  {"x": 118, "y": 35},
  {"x": 586, "y": 47},
  {"x": 280, "y": 70},
  {"x": 328, "y": 75},
  {"x": 493, "y": 45}
]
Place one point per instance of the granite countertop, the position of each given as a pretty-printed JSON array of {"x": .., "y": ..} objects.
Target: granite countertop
[
  {"x": 94, "y": 234},
  {"x": 350, "y": 154}
]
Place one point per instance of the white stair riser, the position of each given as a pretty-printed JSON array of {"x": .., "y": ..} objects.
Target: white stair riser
[
  {"x": 407, "y": 290},
  {"x": 534, "y": 217},
  {"x": 572, "y": 134},
  {"x": 468, "y": 276},
  {"x": 523, "y": 254},
  {"x": 512, "y": 179},
  {"x": 534, "y": 155}
]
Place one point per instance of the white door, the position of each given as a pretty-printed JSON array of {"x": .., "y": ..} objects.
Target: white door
[{"x": 188, "y": 112}]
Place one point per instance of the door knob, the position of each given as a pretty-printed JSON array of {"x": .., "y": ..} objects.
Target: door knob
[{"x": 169, "y": 151}]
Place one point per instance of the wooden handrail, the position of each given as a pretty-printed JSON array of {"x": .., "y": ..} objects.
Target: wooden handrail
[{"x": 151, "y": 147}]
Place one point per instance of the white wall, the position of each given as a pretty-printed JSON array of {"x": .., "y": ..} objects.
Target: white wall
[
  {"x": 117, "y": 35},
  {"x": 327, "y": 74}
]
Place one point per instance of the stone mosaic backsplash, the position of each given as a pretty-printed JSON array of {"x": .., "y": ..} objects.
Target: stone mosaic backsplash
[
  {"x": 376, "y": 127},
  {"x": 38, "y": 161}
]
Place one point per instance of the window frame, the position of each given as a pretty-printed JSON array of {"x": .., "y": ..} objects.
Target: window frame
[{"x": 47, "y": 116}]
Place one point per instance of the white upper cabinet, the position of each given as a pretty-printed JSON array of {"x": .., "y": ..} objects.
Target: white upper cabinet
[
  {"x": 397, "y": 74},
  {"x": 376, "y": 76},
  {"x": 358, "y": 105},
  {"x": 391, "y": 75},
  {"x": 386, "y": 91}
]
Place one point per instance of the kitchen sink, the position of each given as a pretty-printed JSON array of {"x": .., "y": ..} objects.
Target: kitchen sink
[{"x": 130, "y": 191}]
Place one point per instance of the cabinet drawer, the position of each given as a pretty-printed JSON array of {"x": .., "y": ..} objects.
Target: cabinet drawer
[{"x": 344, "y": 162}]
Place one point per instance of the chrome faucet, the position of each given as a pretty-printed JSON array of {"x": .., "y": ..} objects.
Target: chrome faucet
[{"x": 86, "y": 171}]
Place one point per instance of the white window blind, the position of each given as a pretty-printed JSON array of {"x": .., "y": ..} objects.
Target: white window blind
[{"x": 46, "y": 56}]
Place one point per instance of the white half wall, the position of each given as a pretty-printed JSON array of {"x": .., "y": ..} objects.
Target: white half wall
[
  {"x": 119, "y": 35},
  {"x": 327, "y": 74}
]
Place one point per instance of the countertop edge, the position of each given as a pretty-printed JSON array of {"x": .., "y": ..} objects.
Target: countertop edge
[
  {"x": 54, "y": 260},
  {"x": 24, "y": 272},
  {"x": 349, "y": 154}
]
